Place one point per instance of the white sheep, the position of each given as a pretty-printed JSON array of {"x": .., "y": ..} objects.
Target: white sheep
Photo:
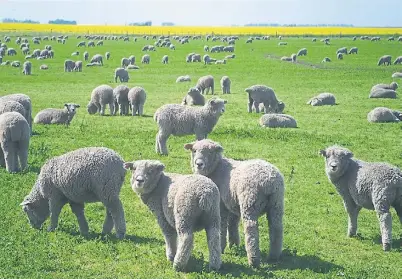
[
  {"x": 43, "y": 67},
  {"x": 383, "y": 93},
  {"x": 125, "y": 62},
  {"x": 85, "y": 175},
  {"x": 220, "y": 61},
  {"x": 107, "y": 55},
  {"x": 322, "y": 99},
  {"x": 182, "y": 205},
  {"x": 274, "y": 120},
  {"x": 100, "y": 97},
  {"x": 57, "y": 116},
  {"x": 343, "y": 50},
  {"x": 292, "y": 58},
  {"x": 97, "y": 58},
  {"x": 165, "y": 59},
  {"x": 339, "y": 56},
  {"x": 69, "y": 65},
  {"x": 120, "y": 95},
  {"x": 302, "y": 52},
  {"x": 205, "y": 83},
  {"x": 396, "y": 75},
  {"x": 353, "y": 50},
  {"x": 25, "y": 101},
  {"x": 86, "y": 56},
  {"x": 189, "y": 57},
  {"x": 193, "y": 98},
  {"x": 9, "y": 106},
  {"x": 206, "y": 48},
  {"x": 374, "y": 186},
  {"x": 263, "y": 94},
  {"x": 248, "y": 189},
  {"x": 122, "y": 74},
  {"x": 393, "y": 85},
  {"x": 131, "y": 58},
  {"x": 132, "y": 67},
  {"x": 382, "y": 114},
  {"x": 282, "y": 43},
  {"x": 398, "y": 60},
  {"x": 145, "y": 59},
  {"x": 206, "y": 58},
  {"x": 136, "y": 98},
  {"x": 180, "y": 120},
  {"x": 14, "y": 141},
  {"x": 183, "y": 79},
  {"x": 225, "y": 84},
  {"x": 196, "y": 58},
  {"x": 326, "y": 59},
  {"x": 384, "y": 60},
  {"x": 78, "y": 66},
  {"x": 27, "y": 68}
]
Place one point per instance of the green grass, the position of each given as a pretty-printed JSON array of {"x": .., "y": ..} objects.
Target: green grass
[{"x": 315, "y": 242}]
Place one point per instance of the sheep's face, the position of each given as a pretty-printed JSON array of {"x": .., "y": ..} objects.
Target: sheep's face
[
  {"x": 71, "y": 108},
  {"x": 193, "y": 92},
  {"x": 205, "y": 156},
  {"x": 92, "y": 108},
  {"x": 145, "y": 175},
  {"x": 336, "y": 160},
  {"x": 280, "y": 108},
  {"x": 37, "y": 212},
  {"x": 217, "y": 105}
]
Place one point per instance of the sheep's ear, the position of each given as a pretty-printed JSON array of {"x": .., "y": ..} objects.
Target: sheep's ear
[
  {"x": 77, "y": 106},
  {"x": 225, "y": 102},
  {"x": 348, "y": 154},
  {"x": 160, "y": 166},
  {"x": 212, "y": 102},
  {"x": 25, "y": 202},
  {"x": 66, "y": 105},
  {"x": 129, "y": 165},
  {"x": 218, "y": 148},
  {"x": 323, "y": 152},
  {"x": 188, "y": 146}
]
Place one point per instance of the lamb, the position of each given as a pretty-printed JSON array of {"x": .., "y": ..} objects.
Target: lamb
[
  {"x": 384, "y": 60},
  {"x": 322, "y": 99},
  {"x": 292, "y": 58},
  {"x": 120, "y": 95},
  {"x": 392, "y": 86},
  {"x": 398, "y": 60},
  {"x": 193, "y": 98},
  {"x": 182, "y": 204},
  {"x": 382, "y": 114},
  {"x": 263, "y": 94},
  {"x": 85, "y": 175},
  {"x": 339, "y": 56},
  {"x": 302, "y": 52},
  {"x": 14, "y": 141},
  {"x": 343, "y": 50},
  {"x": 93, "y": 64},
  {"x": 57, "y": 116},
  {"x": 383, "y": 93},
  {"x": 43, "y": 67},
  {"x": 326, "y": 59},
  {"x": 122, "y": 74},
  {"x": 69, "y": 65},
  {"x": 125, "y": 62},
  {"x": 206, "y": 48},
  {"x": 231, "y": 56},
  {"x": 370, "y": 185},
  {"x": 206, "y": 59},
  {"x": 180, "y": 120},
  {"x": 9, "y": 106},
  {"x": 25, "y": 101},
  {"x": 86, "y": 55},
  {"x": 107, "y": 55},
  {"x": 353, "y": 50},
  {"x": 100, "y": 97},
  {"x": 278, "y": 121},
  {"x": 78, "y": 66},
  {"x": 248, "y": 189},
  {"x": 136, "y": 98},
  {"x": 131, "y": 58},
  {"x": 196, "y": 58},
  {"x": 225, "y": 85},
  {"x": 145, "y": 59},
  {"x": 97, "y": 58},
  {"x": 220, "y": 61},
  {"x": 183, "y": 78},
  {"x": 165, "y": 59},
  {"x": 205, "y": 83},
  {"x": 15, "y": 64},
  {"x": 282, "y": 43},
  {"x": 132, "y": 67},
  {"x": 396, "y": 75},
  {"x": 75, "y": 53},
  {"x": 27, "y": 68},
  {"x": 189, "y": 57}
]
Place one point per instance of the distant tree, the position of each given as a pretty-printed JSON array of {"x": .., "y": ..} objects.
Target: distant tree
[
  {"x": 62, "y": 21},
  {"x": 12, "y": 20},
  {"x": 146, "y": 23},
  {"x": 167, "y": 24}
]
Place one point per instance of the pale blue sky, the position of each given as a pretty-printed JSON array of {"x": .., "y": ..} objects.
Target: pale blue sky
[{"x": 209, "y": 12}]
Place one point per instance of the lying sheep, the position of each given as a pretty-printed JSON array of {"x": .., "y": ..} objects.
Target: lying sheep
[
  {"x": 165, "y": 59},
  {"x": 120, "y": 95},
  {"x": 225, "y": 85},
  {"x": 145, "y": 59},
  {"x": 15, "y": 64},
  {"x": 182, "y": 204},
  {"x": 231, "y": 56},
  {"x": 277, "y": 121},
  {"x": 122, "y": 74},
  {"x": 57, "y": 116},
  {"x": 396, "y": 75},
  {"x": 398, "y": 60},
  {"x": 282, "y": 43},
  {"x": 392, "y": 86},
  {"x": 100, "y": 97},
  {"x": 339, "y": 56},
  {"x": 263, "y": 94},
  {"x": 85, "y": 175},
  {"x": 353, "y": 50},
  {"x": 205, "y": 83},
  {"x": 248, "y": 189},
  {"x": 93, "y": 64},
  {"x": 383, "y": 93},
  {"x": 14, "y": 141},
  {"x": 302, "y": 52},
  {"x": 75, "y": 53},
  {"x": 292, "y": 58},
  {"x": 322, "y": 99},
  {"x": 25, "y": 101},
  {"x": 43, "y": 67},
  {"x": 132, "y": 67},
  {"x": 326, "y": 59},
  {"x": 382, "y": 114},
  {"x": 136, "y": 98},
  {"x": 183, "y": 78},
  {"x": 193, "y": 98},
  {"x": 179, "y": 120},
  {"x": 220, "y": 61},
  {"x": 97, "y": 58},
  {"x": 69, "y": 65},
  {"x": 374, "y": 186},
  {"x": 27, "y": 68},
  {"x": 78, "y": 66},
  {"x": 384, "y": 60}
]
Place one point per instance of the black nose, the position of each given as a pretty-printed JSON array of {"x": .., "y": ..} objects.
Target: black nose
[{"x": 199, "y": 164}]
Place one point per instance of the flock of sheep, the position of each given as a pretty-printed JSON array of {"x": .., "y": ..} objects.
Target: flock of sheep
[{"x": 221, "y": 190}]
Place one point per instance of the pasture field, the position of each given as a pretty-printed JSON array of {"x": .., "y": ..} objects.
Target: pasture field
[{"x": 315, "y": 222}]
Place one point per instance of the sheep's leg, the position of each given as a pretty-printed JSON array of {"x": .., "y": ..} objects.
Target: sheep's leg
[
  {"x": 102, "y": 109},
  {"x": 397, "y": 206},
  {"x": 256, "y": 107},
  {"x": 214, "y": 243},
  {"x": 233, "y": 230},
  {"x": 353, "y": 211},
  {"x": 157, "y": 144},
  {"x": 2, "y": 161},
  {"x": 250, "y": 224},
  {"x": 119, "y": 107},
  {"x": 116, "y": 209},
  {"x": 224, "y": 225},
  {"x": 185, "y": 245},
  {"x": 200, "y": 136},
  {"x": 135, "y": 109},
  {"x": 275, "y": 224},
  {"x": 111, "y": 108},
  {"x": 78, "y": 210},
  {"x": 10, "y": 156},
  {"x": 56, "y": 203},
  {"x": 381, "y": 206},
  {"x": 169, "y": 234},
  {"x": 108, "y": 223},
  {"x": 23, "y": 147},
  {"x": 161, "y": 140},
  {"x": 250, "y": 104},
  {"x": 212, "y": 89},
  {"x": 141, "y": 109}
]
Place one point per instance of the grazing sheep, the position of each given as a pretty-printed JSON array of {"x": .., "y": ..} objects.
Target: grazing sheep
[
  {"x": 27, "y": 68},
  {"x": 25, "y": 101},
  {"x": 206, "y": 48},
  {"x": 206, "y": 59},
  {"x": 278, "y": 121},
  {"x": 383, "y": 93},
  {"x": 382, "y": 114},
  {"x": 25, "y": 50},
  {"x": 180, "y": 120},
  {"x": 196, "y": 58},
  {"x": 165, "y": 59},
  {"x": 107, "y": 55},
  {"x": 69, "y": 65},
  {"x": 120, "y": 95},
  {"x": 57, "y": 116},
  {"x": 342, "y": 50},
  {"x": 145, "y": 59},
  {"x": 189, "y": 57},
  {"x": 193, "y": 98},
  {"x": 11, "y": 52},
  {"x": 263, "y": 94},
  {"x": 353, "y": 50},
  {"x": 91, "y": 44},
  {"x": 97, "y": 58},
  {"x": 302, "y": 52},
  {"x": 122, "y": 74},
  {"x": 398, "y": 60},
  {"x": 14, "y": 141},
  {"x": 322, "y": 99},
  {"x": 136, "y": 98},
  {"x": 339, "y": 56},
  {"x": 314, "y": 39},
  {"x": 183, "y": 78},
  {"x": 396, "y": 75},
  {"x": 182, "y": 204},
  {"x": 326, "y": 59},
  {"x": 371, "y": 185},
  {"x": 100, "y": 97},
  {"x": 125, "y": 62},
  {"x": 132, "y": 59},
  {"x": 248, "y": 189},
  {"x": 85, "y": 175},
  {"x": 78, "y": 66},
  {"x": 392, "y": 86},
  {"x": 225, "y": 85},
  {"x": 86, "y": 55},
  {"x": 9, "y": 106},
  {"x": 81, "y": 44},
  {"x": 384, "y": 60},
  {"x": 43, "y": 67},
  {"x": 205, "y": 83}
]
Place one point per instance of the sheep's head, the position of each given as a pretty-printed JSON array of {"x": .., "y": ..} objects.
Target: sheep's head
[
  {"x": 217, "y": 105},
  {"x": 336, "y": 160},
  {"x": 193, "y": 91},
  {"x": 394, "y": 85},
  {"x": 36, "y": 211},
  {"x": 205, "y": 156},
  {"x": 71, "y": 108},
  {"x": 280, "y": 108},
  {"x": 145, "y": 175},
  {"x": 92, "y": 108}
]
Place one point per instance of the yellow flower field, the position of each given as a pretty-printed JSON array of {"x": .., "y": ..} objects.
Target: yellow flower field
[{"x": 180, "y": 30}]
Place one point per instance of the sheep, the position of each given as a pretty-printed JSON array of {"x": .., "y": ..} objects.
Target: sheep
[
  {"x": 165, "y": 59},
  {"x": 292, "y": 58},
  {"x": 69, "y": 65},
  {"x": 193, "y": 98},
  {"x": 398, "y": 60},
  {"x": 132, "y": 67},
  {"x": 136, "y": 98},
  {"x": 11, "y": 52},
  {"x": 277, "y": 121},
  {"x": 382, "y": 114},
  {"x": 196, "y": 58},
  {"x": 353, "y": 50},
  {"x": 384, "y": 60},
  {"x": 120, "y": 95},
  {"x": 75, "y": 53},
  {"x": 220, "y": 61},
  {"x": 225, "y": 85},
  {"x": 84, "y": 175},
  {"x": 205, "y": 83},
  {"x": 125, "y": 62},
  {"x": 326, "y": 59},
  {"x": 122, "y": 74},
  {"x": 183, "y": 79},
  {"x": 100, "y": 97},
  {"x": 100, "y": 43},
  {"x": 282, "y": 43},
  {"x": 189, "y": 57},
  {"x": 97, "y": 58},
  {"x": 339, "y": 56},
  {"x": 314, "y": 39},
  {"x": 182, "y": 204},
  {"x": 131, "y": 59},
  {"x": 14, "y": 141},
  {"x": 231, "y": 56},
  {"x": 93, "y": 64},
  {"x": 371, "y": 185},
  {"x": 179, "y": 120},
  {"x": 342, "y": 50},
  {"x": 302, "y": 52},
  {"x": 383, "y": 93},
  {"x": 206, "y": 48},
  {"x": 145, "y": 59},
  {"x": 86, "y": 55},
  {"x": 248, "y": 189},
  {"x": 78, "y": 66},
  {"x": 57, "y": 116},
  {"x": 322, "y": 99},
  {"x": 396, "y": 75},
  {"x": 91, "y": 44},
  {"x": 81, "y": 44},
  {"x": 392, "y": 86},
  {"x": 25, "y": 101},
  {"x": 263, "y": 94},
  {"x": 9, "y": 106},
  {"x": 43, "y": 67},
  {"x": 107, "y": 55},
  {"x": 25, "y": 50},
  {"x": 27, "y": 68},
  {"x": 15, "y": 64}
]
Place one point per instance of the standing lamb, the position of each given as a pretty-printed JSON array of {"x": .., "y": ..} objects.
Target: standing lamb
[
  {"x": 120, "y": 95},
  {"x": 398, "y": 60},
  {"x": 97, "y": 58},
  {"x": 322, "y": 99},
  {"x": 122, "y": 74},
  {"x": 193, "y": 98},
  {"x": 353, "y": 50},
  {"x": 145, "y": 59},
  {"x": 131, "y": 58},
  {"x": 125, "y": 62},
  {"x": 182, "y": 205},
  {"x": 248, "y": 189},
  {"x": 302, "y": 52},
  {"x": 107, "y": 55},
  {"x": 180, "y": 120},
  {"x": 225, "y": 85},
  {"x": 14, "y": 141},
  {"x": 78, "y": 66},
  {"x": 205, "y": 83},
  {"x": 85, "y": 175},
  {"x": 382, "y": 114},
  {"x": 263, "y": 94},
  {"x": 100, "y": 97},
  {"x": 69, "y": 65},
  {"x": 165, "y": 59},
  {"x": 384, "y": 60},
  {"x": 57, "y": 116},
  {"x": 27, "y": 68},
  {"x": 374, "y": 186},
  {"x": 136, "y": 98},
  {"x": 86, "y": 55}
]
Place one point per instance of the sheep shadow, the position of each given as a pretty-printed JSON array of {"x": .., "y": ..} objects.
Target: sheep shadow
[
  {"x": 396, "y": 243},
  {"x": 104, "y": 238}
]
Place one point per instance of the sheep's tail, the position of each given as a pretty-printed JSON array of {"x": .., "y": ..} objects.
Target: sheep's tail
[{"x": 209, "y": 199}]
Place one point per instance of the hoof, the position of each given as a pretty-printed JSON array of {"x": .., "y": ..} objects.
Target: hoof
[
  {"x": 120, "y": 235},
  {"x": 386, "y": 246},
  {"x": 254, "y": 262}
]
